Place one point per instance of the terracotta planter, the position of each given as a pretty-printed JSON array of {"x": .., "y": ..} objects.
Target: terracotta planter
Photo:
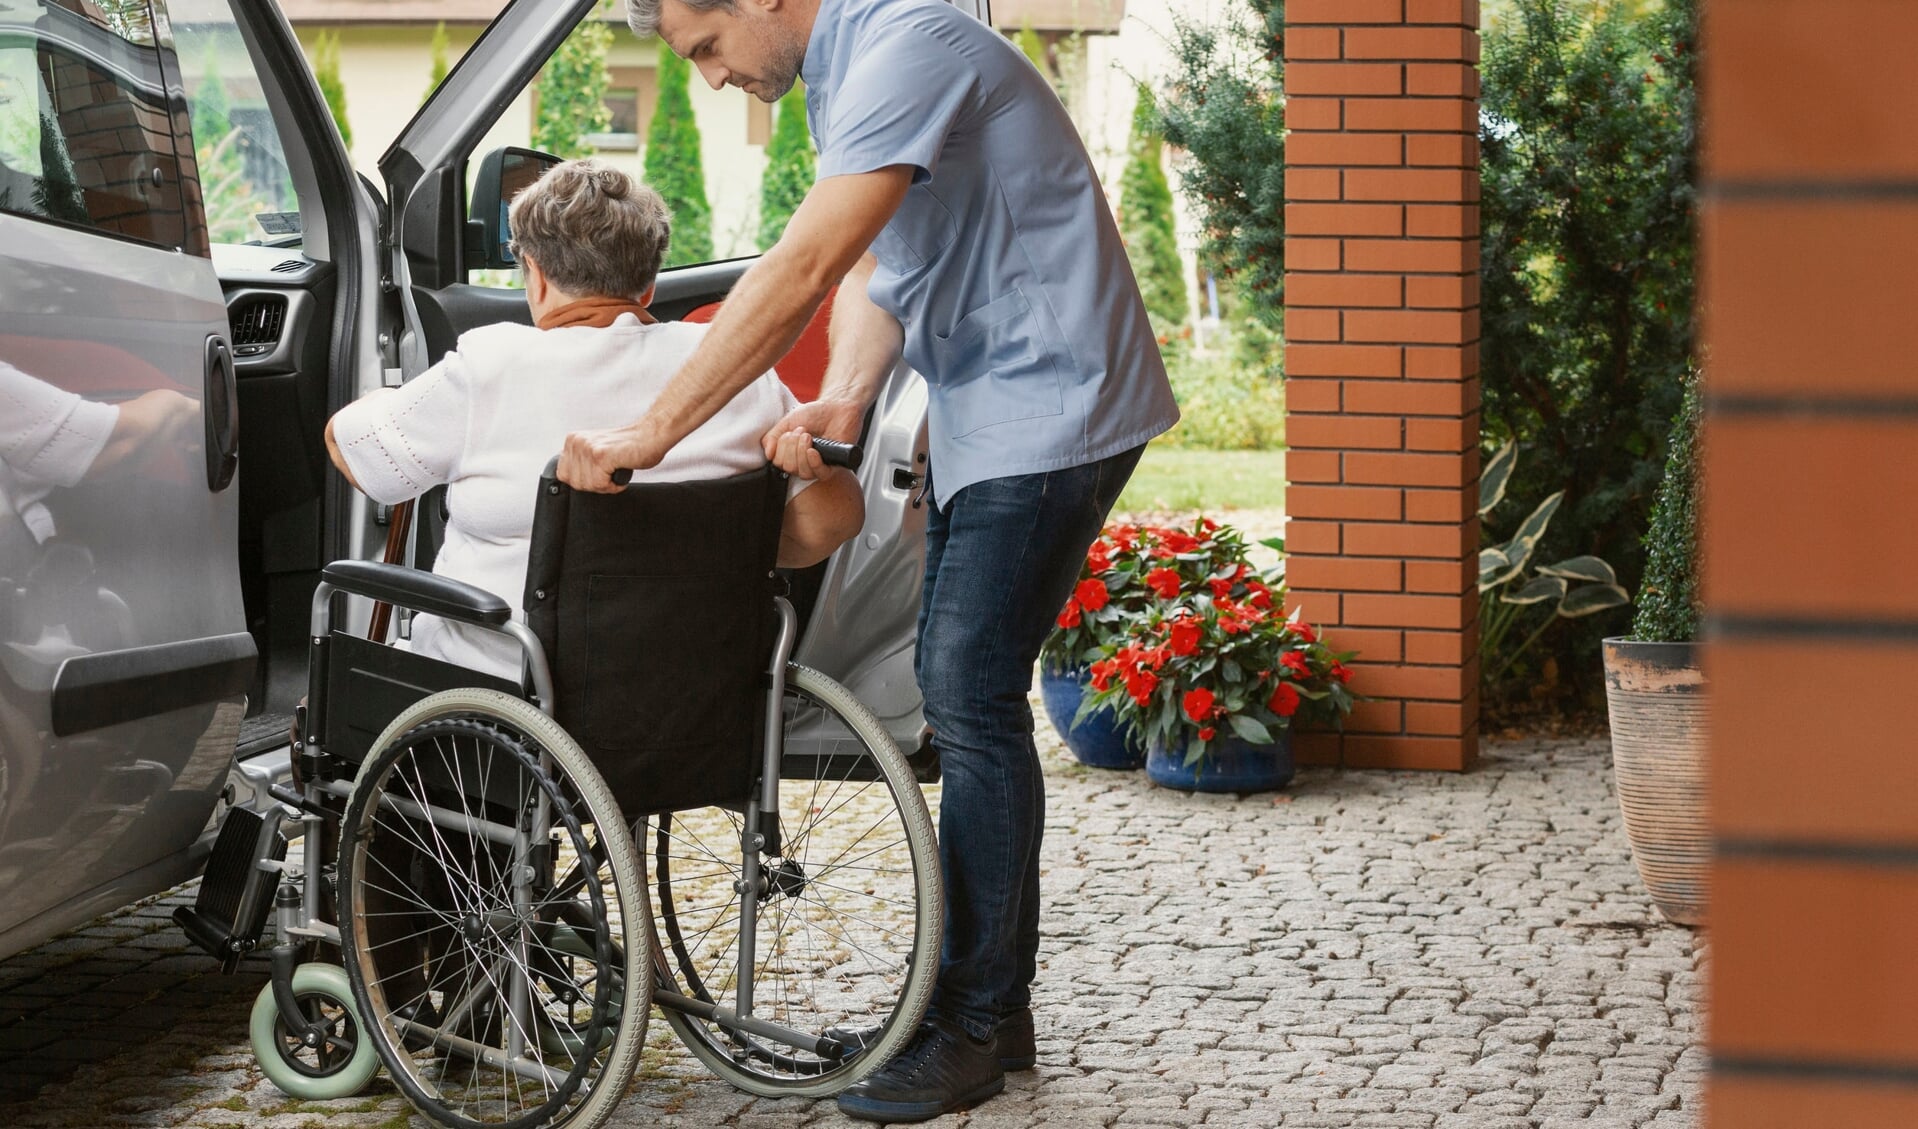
[{"x": 1655, "y": 693}]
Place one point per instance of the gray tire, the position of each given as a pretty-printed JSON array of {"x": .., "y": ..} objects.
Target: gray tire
[{"x": 315, "y": 1074}]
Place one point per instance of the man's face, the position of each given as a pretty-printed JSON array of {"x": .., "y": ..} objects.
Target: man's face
[{"x": 748, "y": 46}]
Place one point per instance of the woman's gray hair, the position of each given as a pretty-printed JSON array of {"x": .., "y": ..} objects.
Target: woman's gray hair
[
  {"x": 593, "y": 230},
  {"x": 643, "y": 15}
]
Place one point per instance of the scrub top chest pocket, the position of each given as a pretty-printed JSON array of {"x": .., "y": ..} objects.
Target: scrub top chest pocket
[
  {"x": 994, "y": 368},
  {"x": 918, "y": 231}
]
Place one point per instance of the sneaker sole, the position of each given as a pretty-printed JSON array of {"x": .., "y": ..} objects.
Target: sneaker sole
[
  {"x": 1024, "y": 1062},
  {"x": 853, "y": 1105}
]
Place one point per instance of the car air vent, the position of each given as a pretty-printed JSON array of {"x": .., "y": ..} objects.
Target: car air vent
[
  {"x": 257, "y": 322},
  {"x": 288, "y": 267}
]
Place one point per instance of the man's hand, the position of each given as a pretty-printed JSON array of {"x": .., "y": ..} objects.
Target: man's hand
[
  {"x": 589, "y": 458},
  {"x": 789, "y": 443}
]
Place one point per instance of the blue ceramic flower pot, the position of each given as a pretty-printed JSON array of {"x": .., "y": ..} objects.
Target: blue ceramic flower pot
[
  {"x": 1098, "y": 741},
  {"x": 1230, "y": 765}
]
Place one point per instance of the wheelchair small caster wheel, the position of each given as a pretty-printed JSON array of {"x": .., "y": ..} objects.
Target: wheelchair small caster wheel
[{"x": 338, "y": 1061}]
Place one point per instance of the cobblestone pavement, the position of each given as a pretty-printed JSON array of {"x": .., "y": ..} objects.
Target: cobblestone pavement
[{"x": 1367, "y": 949}]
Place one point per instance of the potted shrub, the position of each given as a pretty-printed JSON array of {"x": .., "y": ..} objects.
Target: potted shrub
[
  {"x": 1655, "y": 693},
  {"x": 1212, "y": 680},
  {"x": 1110, "y": 599}
]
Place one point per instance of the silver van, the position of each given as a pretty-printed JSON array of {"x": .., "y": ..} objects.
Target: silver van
[{"x": 170, "y": 349}]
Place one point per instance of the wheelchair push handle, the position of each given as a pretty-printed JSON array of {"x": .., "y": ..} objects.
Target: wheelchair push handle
[{"x": 831, "y": 451}]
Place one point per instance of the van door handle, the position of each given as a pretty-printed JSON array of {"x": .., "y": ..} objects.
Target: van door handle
[{"x": 220, "y": 408}]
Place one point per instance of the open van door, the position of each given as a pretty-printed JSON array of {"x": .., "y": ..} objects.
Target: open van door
[
  {"x": 185, "y": 262},
  {"x": 859, "y": 608}
]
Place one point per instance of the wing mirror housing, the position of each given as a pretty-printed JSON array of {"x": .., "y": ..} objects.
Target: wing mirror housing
[{"x": 503, "y": 173}]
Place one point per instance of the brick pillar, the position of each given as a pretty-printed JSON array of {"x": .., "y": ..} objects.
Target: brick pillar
[
  {"x": 1810, "y": 256},
  {"x": 1382, "y": 394}
]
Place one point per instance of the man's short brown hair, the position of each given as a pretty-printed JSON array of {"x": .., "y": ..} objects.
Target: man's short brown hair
[{"x": 593, "y": 230}]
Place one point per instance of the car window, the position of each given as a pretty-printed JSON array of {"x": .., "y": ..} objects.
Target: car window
[
  {"x": 85, "y": 136},
  {"x": 243, "y": 180},
  {"x": 612, "y": 95}
]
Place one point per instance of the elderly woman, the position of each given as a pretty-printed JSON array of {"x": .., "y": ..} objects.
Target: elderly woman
[{"x": 485, "y": 420}]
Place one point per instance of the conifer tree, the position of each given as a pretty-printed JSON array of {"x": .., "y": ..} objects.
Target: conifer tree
[
  {"x": 790, "y": 167},
  {"x": 673, "y": 164},
  {"x": 572, "y": 92},
  {"x": 326, "y": 71},
  {"x": 438, "y": 67},
  {"x": 1146, "y": 220}
]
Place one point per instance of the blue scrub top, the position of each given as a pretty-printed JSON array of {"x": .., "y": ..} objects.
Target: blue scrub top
[{"x": 1003, "y": 264}]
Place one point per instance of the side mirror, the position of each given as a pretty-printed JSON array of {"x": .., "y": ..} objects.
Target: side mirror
[{"x": 503, "y": 173}]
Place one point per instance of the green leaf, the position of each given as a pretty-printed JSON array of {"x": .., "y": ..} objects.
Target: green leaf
[
  {"x": 1515, "y": 554},
  {"x": 1274, "y": 543},
  {"x": 1250, "y": 729},
  {"x": 1534, "y": 526},
  {"x": 1490, "y": 563},
  {"x": 1592, "y": 598},
  {"x": 1493, "y": 478},
  {"x": 1231, "y": 671},
  {"x": 1194, "y": 750},
  {"x": 1582, "y": 568},
  {"x": 1537, "y": 590}
]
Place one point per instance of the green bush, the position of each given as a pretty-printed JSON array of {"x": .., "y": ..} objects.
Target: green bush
[
  {"x": 673, "y": 164},
  {"x": 1224, "y": 405},
  {"x": 1668, "y": 597},
  {"x": 1146, "y": 222},
  {"x": 1223, "y": 105},
  {"x": 572, "y": 92},
  {"x": 326, "y": 72},
  {"x": 790, "y": 167},
  {"x": 1589, "y": 142},
  {"x": 437, "y": 66}
]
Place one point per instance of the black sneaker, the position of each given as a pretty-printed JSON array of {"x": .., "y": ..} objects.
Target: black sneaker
[
  {"x": 942, "y": 1069},
  {"x": 1014, "y": 1033}
]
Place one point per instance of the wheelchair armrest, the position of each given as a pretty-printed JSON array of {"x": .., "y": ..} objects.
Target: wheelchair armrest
[{"x": 421, "y": 591}]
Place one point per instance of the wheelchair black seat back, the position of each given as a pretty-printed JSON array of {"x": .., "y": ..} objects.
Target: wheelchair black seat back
[{"x": 656, "y": 608}]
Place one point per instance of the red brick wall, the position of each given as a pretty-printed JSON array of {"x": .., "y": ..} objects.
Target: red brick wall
[
  {"x": 1810, "y": 256},
  {"x": 1381, "y": 327}
]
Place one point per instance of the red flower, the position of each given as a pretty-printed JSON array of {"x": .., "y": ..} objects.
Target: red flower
[
  {"x": 1185, "y": 636},
  {"x": 1140, "y": 684},
  {"x": 1208, "y": 524},
  {"x": 1178, "y": 541},
  {"x": 1341, "y": 672},
  {"x": 1091, "y": 594},
  {"x": 1261, "y": 596},
  {"x": 1097, "y": 560},
  {"x": 1125, "y": 537},
  {"x": 1102, "y": 673},
  {"x": 1164, "y": 581},
  {"x": 1295, "y": 662},
  {"x": 1207, "y": 733},
  {"x": 1220, "y": 588},
  {"x": 1069, "y": 617},
  {"x": 1304, "y": 631},
  {"x": 1198, "y": 704},
  {"x": 1284, "y": 700}
]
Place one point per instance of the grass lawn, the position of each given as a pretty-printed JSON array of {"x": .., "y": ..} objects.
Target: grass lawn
[{"x": 1214, "y": 481}]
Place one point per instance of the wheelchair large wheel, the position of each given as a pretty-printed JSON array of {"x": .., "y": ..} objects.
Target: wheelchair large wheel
[
  {"x": 492, "y": 899},
  {"x": 849, "y": 908}
]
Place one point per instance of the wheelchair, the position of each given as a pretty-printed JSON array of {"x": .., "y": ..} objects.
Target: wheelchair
[{"x": 657, "y": 814}]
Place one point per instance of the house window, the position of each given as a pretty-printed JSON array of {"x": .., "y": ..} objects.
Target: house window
[{"x": 630, "y": 97}]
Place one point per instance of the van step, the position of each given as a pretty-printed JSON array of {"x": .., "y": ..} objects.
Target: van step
[{"x": 263, "y": 731}]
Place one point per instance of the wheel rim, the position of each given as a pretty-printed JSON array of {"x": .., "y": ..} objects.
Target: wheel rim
[
  {"x": 491, "y": 969},
  {"x": 339, "y": 1039},
  {"x": 837, "y": 912}
]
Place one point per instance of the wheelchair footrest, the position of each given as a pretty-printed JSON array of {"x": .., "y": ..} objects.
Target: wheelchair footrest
[{"x": 235, "y": 896}]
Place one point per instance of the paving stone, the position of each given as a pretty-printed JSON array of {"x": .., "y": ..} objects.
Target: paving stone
[{"x": 1383, "y": 951}]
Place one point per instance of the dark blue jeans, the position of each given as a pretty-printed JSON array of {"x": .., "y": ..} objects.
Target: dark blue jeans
[{"x": 1001, "y": 559}]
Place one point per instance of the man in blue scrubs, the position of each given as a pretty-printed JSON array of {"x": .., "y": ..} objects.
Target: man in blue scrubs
[{"x": 957, "y": 204}]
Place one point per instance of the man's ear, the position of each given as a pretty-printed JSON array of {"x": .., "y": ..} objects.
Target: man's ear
[
  {"x": 767, "y": 6},
  {"x": 646, "y": 299}
]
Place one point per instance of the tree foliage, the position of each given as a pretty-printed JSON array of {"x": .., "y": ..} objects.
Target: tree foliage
[
  {"x": 572, "y": 92},
  {"x": 1589, "y": 155},
  {"x": 674, "y": 166},
  {"x": 1146, "y": 221},
  {"x": 790, "y": 167},
  {"x": 1668, "y": 597},
  {"x": 326, "y": 72},
  {"x": 230, "y": 201},
  {"x": 1223, "y": 106},
  {"x": 437, "y": 67}
]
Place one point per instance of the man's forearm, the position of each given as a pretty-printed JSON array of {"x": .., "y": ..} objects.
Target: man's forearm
[
  {"x": 865, "y": 342},
  {"x": 760, "y": 320}
]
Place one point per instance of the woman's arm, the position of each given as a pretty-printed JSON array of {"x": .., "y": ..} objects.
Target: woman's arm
[{"x": 821, "y": 518}]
